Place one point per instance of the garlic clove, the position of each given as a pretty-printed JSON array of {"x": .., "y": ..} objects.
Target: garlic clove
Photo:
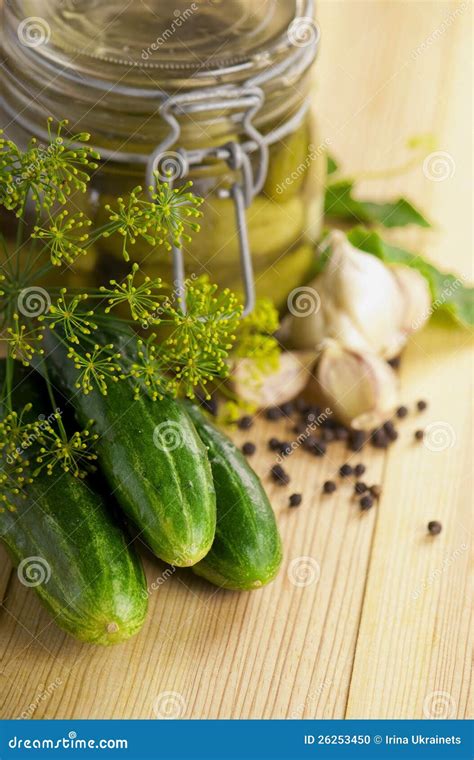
[
  {"x": 416, "y": 298},
  {"x": 356, "y": 300},
  {"x": 361, "y": 388},
  {"x": 272, "y": 389}
]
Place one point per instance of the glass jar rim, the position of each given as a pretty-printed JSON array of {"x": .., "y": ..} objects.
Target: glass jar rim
[{"x": 32, "y": 39}]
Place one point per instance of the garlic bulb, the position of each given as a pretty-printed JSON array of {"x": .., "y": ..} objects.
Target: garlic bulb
[
  {"x": 273, "y": 389},
  {"x": 356, "y": 300},
  {"x": 416, "y": 298},
  {"x": 360, "y": 388}
]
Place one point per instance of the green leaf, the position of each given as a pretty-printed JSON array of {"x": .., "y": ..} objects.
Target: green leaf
[
  {"x": 449, "y": 293},
  {"x": 332, "y": 164},
  {"x": 339, "y": 202}
]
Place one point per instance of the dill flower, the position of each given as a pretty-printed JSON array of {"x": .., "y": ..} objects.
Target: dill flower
[
  {"x": 66, "y": 313},
  {"x": 174, "y": 211},
  {"x": 72, "y": 455},
  {"x": 132, "y": 219},
  {"x": 65, "y": 237},
  {"x": 97, "y": 368},
  {"x": 141, "y": 299},
  {"x": 23, "y": 343},
  {"x": 149, "y": 370}
]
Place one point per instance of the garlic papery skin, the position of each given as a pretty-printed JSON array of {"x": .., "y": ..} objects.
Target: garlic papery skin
[
  {"x": 416, "y": 295},
  {"x": 360, "y": 388},
  {"x": 263, "y": 390},
  {"x": 356, "y": 300}
]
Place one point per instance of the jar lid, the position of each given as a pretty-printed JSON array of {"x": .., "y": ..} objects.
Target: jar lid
[{"x": 154, "y": 40}]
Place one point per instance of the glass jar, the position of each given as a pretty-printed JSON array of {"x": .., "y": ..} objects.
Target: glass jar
[{"x": 216, "y": 91}]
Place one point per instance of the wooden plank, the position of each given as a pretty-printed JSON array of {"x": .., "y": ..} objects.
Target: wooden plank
[{"x": 386, "y": 624}]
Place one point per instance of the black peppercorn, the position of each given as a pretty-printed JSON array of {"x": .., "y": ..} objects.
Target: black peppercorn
[
  {"x": 421, "y": 405},
  {"x": 273, "y": 444},
  {"x": 295, "y": 500},
  {"x": 287, "y": 408},
  {"x": 245, "y": 422},
  {"x": 419, "y": 435},
  {"x": 402, "y": 412},
  {"x": 366, "y": 502},
  {"x": 359, "y": 469},
  {"x": 279, "y": 475},
  {"x": 357, "y": 440},
  {"x": 345, "y": 470},
  {"x": 329, "y": 486},
  {"x": 434, "y": 527},
  {"x": 360, "y": 487},
  {"x": 249, "y": 448}
]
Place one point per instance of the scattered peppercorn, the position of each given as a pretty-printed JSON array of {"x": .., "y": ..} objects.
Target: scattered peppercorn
[
  {"x": 359, "y": 469},
  {"x": 419, "y": 435},
  {"x": 329, "y": 486},
  {"x": 287, "y": 408},
  {"x": 284, "y": 448},
  {"x": 379, "y": 439},
  {"x": 402, "y": 412},
  {"x": 295, "y": 500},
  {"x": 366, "y": 502},
  {"x": 357, "y": 440},
  {"x": 273, "y": 444},
  {"x": 274, "y": 413},
  {"x": 421, "y": 405},
  {"x": 435, "y": 527},
  {"x": 245, "y": 423},
  {"x": 376, "y": 491},
  {"x": 249, "y": 448},
  {"x": 390, "y": 431},
  {"x": 360, "y": 487},
  {"x": 279, "y": 475},
  {"x": 345, "y": 470}
]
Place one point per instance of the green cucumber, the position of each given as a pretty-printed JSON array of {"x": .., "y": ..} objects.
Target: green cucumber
[
  {"x": 152, "y": 458},
  {"x": 72, "y": 553},
  {"x": 246, "y": 553}
]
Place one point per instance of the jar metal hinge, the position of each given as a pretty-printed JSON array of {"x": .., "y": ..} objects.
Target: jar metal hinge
[{"x": 249, "y": 100}]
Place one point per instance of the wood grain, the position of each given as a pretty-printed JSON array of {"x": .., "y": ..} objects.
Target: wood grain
[{"x": 386, "y": 626}]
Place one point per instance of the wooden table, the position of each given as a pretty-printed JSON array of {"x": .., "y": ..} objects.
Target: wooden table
[{"x": 384, "y": 631}]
